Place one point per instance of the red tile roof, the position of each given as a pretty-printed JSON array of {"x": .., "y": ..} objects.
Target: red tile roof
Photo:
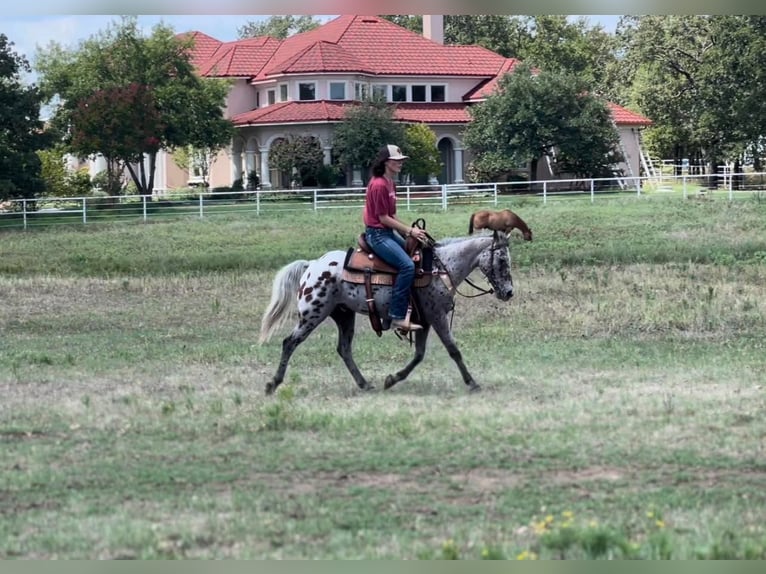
[
  {"x": 359, "y": 44},
  {"x": 321, "y": 56},
  {"x": 293, "y": 112},
  {"x": 626, "y": 117},
  {"x": 326, "y": 111},
  {"x": 433, "y": 113}
]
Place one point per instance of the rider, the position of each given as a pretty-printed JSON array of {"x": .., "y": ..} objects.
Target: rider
[{"x": 383, "y": 232}]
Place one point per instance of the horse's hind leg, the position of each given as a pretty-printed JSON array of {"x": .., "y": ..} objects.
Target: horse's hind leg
[
  {"x": 441, "y": 327},
  {"x": 420, "y": 351},
  {"x": 345, "y": 318},
  {"x": 302, "y": 330}
]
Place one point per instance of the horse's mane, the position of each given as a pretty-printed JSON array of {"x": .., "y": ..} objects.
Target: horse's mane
[{"x": 451, "y": 240}]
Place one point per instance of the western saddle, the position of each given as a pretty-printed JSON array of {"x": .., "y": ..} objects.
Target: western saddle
[{"x": 364, "y": 267}]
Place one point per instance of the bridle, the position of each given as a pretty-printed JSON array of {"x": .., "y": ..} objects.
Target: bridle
[{"x": 453, "y": 286}]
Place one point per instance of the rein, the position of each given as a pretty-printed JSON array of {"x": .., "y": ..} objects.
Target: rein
[{"x": 481, "y": 290}]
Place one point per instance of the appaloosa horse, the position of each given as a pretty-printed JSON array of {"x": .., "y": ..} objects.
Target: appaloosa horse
[
  {"x": 321, "y": 292},
  {"x": 505, "y": 221}
]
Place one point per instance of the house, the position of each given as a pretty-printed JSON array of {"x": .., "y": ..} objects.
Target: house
[{"x": 300, "y": 85}]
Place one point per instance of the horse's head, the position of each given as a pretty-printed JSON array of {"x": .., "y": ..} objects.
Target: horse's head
[
  {"x": 527, "y": 234},
  {"x": 495, "y": 263}
]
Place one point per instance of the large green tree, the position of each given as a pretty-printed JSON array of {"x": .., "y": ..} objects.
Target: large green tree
[
  {"x": 159, "y": 100},
  {"x": 366, "y": 127},
  {"x": 420, "y": 145},
  {"x": 700, "y": 79},
  {"x": 21, "y": 131},
  {"x": 279, "y": 27},
  {"x": 548, "y": 114},
  {"x": 300, "y": 156}
]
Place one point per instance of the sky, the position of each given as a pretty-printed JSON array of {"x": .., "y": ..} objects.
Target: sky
[{"x": 28, "y": 32}]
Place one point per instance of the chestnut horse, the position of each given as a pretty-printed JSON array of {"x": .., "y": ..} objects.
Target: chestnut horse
[{"x": 505, "y": 221}]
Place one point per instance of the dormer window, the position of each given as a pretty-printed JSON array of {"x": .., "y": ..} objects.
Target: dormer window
[
  {"x": 282, "y": 92},
  {"x": 272, "y": 97},
  {"x": 307, "y": 91},
  {"x": 380, "y": 91},
  {"x": 337, "y": 90},
  {"x": 398, "y": 93},
  {"x": 419, "y": 93},
  {"x": 360, "y": 91}
]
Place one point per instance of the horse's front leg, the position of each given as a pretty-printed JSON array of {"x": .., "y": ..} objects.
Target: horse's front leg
[
  {"x": 420, "y": 351},
  {"x": 441, "y": 327}
]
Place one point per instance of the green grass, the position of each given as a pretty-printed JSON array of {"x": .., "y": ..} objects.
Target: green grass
[{"x": 622, "y": 411}]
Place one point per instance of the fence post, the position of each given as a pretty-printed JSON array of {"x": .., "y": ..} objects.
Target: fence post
[
  {"x": 684, "y": 184},
  {"x": 84, "y": 216},
  {"x": 257, "y": 201},
  {"x": 143, "y": 202},
  {"x": 545, "y": 192},
  {"x": 316, "y": 206},
  {"x": 638, "y": 186},
  {"x": 592, "y": 190},
  {"x": 24, "y": 211},
  {"x": 444, "y": 197},
  {"x": 201, "y": 214},
  {"x": 494, "y": 185},
  {"x": 408, "y": 197}
]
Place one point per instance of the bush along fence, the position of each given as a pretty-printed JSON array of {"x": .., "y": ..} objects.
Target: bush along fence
[{"x": 26, "y": 213}]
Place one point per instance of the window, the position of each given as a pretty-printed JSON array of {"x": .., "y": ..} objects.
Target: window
[
  {"x": 337, "y": 90},
  {"x": 257, "y": 99},
  {"x": 380, "y": 91},
  {"x": 398, "y": 93},
  {"x": 418, "y": 93},
  {"x": 360, "y": 91},
  {"x": 272, "y": 95},
  {"x": 438, "y": 94},
  {"x": 307, "y": 91},
  {"x": 282, "y": 92}
]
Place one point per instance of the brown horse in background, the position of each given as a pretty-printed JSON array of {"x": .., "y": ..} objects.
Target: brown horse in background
[{"x": 505, "y": 221}]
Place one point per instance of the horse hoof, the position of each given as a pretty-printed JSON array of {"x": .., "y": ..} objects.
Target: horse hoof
[
  {"x": 390, "y": 382},
  {"x": 367, "y": 387},
  {"x": 474, "y": 388},
  {"x": 270, "y": 388}
]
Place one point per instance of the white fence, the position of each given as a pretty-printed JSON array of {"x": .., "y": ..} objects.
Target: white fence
[{"x": 25, "y": 213}]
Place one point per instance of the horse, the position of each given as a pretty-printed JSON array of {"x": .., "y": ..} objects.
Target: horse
[
  {"x": 505, "y": 221},
  {"x": 321, "y": 293}
]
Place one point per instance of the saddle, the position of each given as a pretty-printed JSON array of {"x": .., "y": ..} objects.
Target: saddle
[{"x": 363, "y": 267}]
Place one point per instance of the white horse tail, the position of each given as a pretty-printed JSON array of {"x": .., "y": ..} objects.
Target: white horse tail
[{"x": 283, "y": 292}]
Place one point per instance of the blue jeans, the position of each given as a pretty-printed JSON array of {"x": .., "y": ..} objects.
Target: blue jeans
[{"x": 389, "y": 246}]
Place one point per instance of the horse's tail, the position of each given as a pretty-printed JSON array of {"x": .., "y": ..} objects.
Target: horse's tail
[
  {"x": 470, "y": 224},
  {"x": 283, "y": 292}
]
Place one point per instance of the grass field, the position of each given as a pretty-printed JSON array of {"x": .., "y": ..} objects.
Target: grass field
[{"x": 623, "y": 411}]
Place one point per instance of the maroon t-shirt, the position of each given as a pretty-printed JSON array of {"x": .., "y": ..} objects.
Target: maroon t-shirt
[{"x": 379, "y": 200}]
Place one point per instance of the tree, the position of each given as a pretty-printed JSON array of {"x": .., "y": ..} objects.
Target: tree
[
  {"x": 420, "y": 145},
  {"x": 21, "y": 131},
  {"x": 279, "y": 27},
  {"x": 143, "y": 92},
  {"x": 58, "y": 180},
  {"x": 365, "y": 128},
  {"x": 557, "y": 44},
  {"x": 301, "y": 156},
  {"x": 700, "y": 78},
  {"x": 533, "y": 116}
]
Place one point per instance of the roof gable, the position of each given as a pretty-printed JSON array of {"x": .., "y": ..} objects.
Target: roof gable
[{"x": 321, "y": 56}]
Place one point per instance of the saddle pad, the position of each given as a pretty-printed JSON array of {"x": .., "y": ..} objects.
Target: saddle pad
[{"x": 381, "y": 278}]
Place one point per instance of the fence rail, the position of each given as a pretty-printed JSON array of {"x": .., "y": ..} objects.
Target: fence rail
[{"x": 26, "y": 213}]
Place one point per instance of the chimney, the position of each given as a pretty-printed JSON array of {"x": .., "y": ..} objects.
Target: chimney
[{"x": 433, "y": 28}]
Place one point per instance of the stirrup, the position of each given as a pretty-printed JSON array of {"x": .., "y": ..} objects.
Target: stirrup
[{"x": 405, "y": 325}]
